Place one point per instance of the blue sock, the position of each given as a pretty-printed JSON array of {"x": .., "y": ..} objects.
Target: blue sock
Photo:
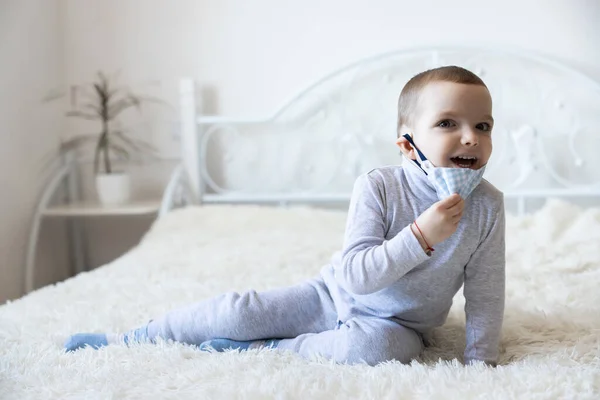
[
  {"x": 97, "y": 340},
  {"x": 221, "y": 345},
  {"x": 139, "y": 335},
  {"x": 81, "y": 340}
]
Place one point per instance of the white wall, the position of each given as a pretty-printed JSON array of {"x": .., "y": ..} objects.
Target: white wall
[
  {"x": 32, "y": 63},
  {"x": 255, "y": 54}
]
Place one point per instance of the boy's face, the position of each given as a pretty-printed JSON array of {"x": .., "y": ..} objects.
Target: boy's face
[{"x": 452, "y": 125}]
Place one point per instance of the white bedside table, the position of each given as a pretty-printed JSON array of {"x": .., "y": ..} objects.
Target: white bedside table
[
  {"x": 94, "y": 209},
  {"x": 176, "y": 193}
]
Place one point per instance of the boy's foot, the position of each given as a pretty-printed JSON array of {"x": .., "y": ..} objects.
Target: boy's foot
[
  {"x": 81, "y": 340},
  {"x": 221, "y": 345},
  {"x": 97, "y": 340}
]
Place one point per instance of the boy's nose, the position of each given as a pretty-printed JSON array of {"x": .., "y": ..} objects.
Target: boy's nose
[{"x": 469, "y": 138}]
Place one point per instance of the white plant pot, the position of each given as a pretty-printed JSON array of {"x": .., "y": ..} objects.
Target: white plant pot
[{"x": 114, "y": 188}]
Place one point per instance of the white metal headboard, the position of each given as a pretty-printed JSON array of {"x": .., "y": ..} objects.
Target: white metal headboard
[{"x": 312, "y": 148}]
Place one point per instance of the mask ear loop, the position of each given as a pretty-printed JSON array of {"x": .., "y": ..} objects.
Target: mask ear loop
[{"x": 421, "y": 155}]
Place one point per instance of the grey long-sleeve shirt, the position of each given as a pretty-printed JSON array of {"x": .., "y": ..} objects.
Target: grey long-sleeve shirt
[{"x": 383, "y": 271}]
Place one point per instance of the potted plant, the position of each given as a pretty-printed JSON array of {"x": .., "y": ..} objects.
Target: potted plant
[{"x": 103, "y": 102}]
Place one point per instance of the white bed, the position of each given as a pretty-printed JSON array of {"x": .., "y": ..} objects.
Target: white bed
[{"x": 345, "y": 124}]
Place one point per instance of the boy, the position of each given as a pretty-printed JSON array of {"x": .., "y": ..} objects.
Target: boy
[{"x": 415, "y": 233}]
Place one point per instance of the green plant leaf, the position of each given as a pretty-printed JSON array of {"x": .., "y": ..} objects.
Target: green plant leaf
[
  {"x": 92, "y": 107},
  {"x": 99, "y": 90},
  {"x": 82, "y": 115},
  {"x": 77, "y": 141},
  {"x": 120, "y": 151},
  {"x": 86, "y": 93},
  {"x": 54, "y": 94},
  {"x": 118, "y": 107},
  {"x": 137, "y": 145},
  {"x": 103, "y": 81},
  {"x": 112, "y": 92}
]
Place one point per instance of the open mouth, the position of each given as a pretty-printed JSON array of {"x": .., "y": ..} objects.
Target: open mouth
[{"x": 464, "y": 161}]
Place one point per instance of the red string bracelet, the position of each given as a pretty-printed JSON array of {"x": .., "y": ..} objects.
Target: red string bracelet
[{"x": 429, "y": 248}]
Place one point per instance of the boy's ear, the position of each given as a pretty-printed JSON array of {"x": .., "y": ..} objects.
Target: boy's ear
[{"x": 406, "y": 148}]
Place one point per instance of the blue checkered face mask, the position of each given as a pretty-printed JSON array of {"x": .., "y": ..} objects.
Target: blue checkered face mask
[{"x": 448, "y": 181}]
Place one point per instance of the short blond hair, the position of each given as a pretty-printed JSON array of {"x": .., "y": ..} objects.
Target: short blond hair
[{"x": 409, "y": 96}]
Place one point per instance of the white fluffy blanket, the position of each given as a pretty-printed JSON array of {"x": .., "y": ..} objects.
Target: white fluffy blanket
[{"x": 550, "y": 346}]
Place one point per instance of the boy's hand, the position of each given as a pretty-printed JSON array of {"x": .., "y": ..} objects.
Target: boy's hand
[{"x": 440, "y": 220}]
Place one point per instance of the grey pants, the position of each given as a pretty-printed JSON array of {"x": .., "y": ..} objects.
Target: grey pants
[{"x": 303, "y": 315}]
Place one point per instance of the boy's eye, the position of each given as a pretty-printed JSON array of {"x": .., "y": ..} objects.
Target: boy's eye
[
  {"x": 445, "y": 124},
  {"x": 484, "y": 126}
]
